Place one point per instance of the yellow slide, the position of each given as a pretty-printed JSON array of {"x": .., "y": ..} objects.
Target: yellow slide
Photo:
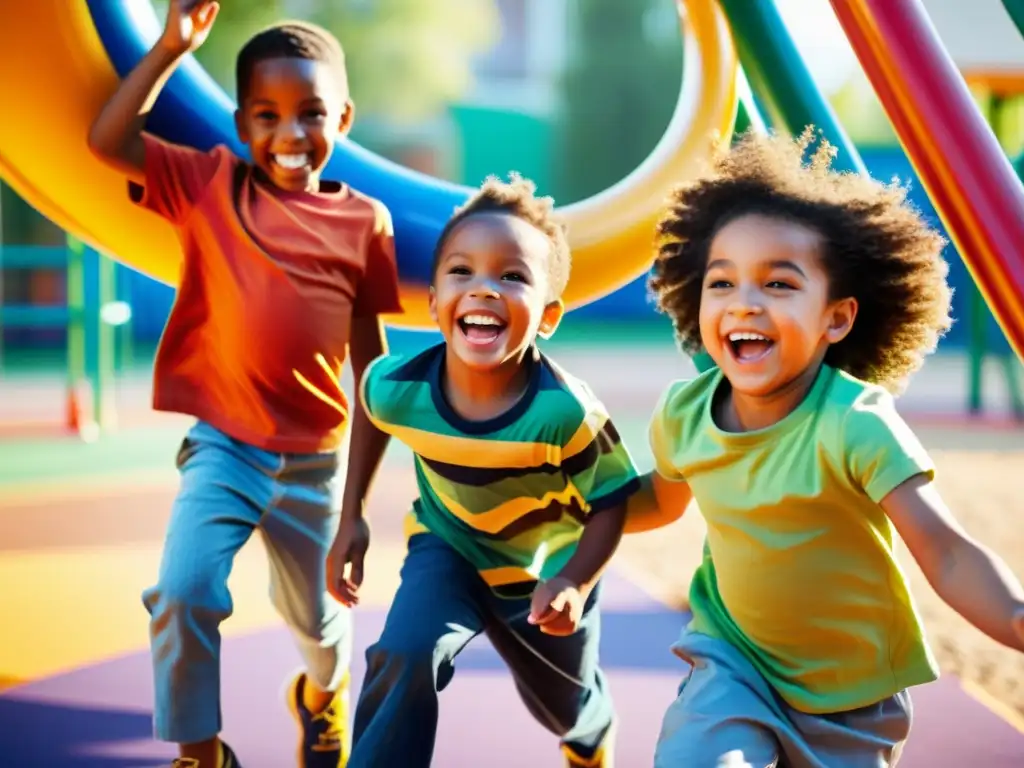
[
  {"x": 58, "y": 72},
  {"x": 56, "y": 76}
]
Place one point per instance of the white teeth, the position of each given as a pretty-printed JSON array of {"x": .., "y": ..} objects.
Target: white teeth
[
  {"x": 746, "y": 336},
  {"x": 291, "y": 162},
  {"x": 481, "y": 320}
]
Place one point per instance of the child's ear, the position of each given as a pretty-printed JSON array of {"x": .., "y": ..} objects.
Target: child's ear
[
  {"x": 432, "y": 303},
  {"x": 241, "y": 127},
  {"x": 552, "y": 316},
  {"x": 841, "y": 316},
  {"x": 348, "y": 114}
]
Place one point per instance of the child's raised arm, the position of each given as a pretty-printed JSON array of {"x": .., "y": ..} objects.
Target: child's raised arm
[
  {"x": 116, "y": 134},
  {"x": 973, "y": 580}
]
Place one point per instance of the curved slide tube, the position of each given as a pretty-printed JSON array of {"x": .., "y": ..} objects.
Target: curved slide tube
[
  {"x": 66, "y": 57},
  {"x": 964, "y": 170}
]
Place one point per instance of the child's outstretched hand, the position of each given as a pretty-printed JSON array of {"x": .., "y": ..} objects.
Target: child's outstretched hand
[
  {"x": 188, "y": 24},
  {"x": 556, "y": 607},
  {"x": 348, "y": 552}
]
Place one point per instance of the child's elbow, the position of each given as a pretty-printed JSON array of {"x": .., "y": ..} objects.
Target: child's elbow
[
  {"x": 97, "y": 142},
  {"x": 104, "y": 144},
  {"x": 647, "y": 512}
]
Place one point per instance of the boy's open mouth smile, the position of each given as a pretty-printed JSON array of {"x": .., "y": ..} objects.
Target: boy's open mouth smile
[
  {"x": 749, "y": 346},
  {"x": 292, "y": 162},
  {"x": 481, "y": 328}
]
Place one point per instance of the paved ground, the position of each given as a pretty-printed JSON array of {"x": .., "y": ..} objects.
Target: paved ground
[
  {"x": 79, "y": 694},
  {"x": 80, "y": 534}
]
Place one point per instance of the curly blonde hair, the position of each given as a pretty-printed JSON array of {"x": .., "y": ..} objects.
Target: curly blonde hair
[
  {"x": 518, "y": 197},
  {"x": 876, "y": 248}
]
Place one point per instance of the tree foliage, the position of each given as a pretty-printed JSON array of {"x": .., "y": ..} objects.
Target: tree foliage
[
  {"x": 620, "y": 88},
  {"x": 407, "y": 59},
  {"x": 860, "y": 113}
]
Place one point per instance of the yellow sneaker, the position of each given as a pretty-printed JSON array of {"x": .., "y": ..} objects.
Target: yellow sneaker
[
  {"x": 325, "y": 741},
  {"x": 603, "y": 757},
  {"x": 227, "y": 760}
]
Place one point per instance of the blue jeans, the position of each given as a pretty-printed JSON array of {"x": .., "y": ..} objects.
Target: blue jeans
[
  {"x": 441, "y": 605},
  {"x": 229, "y": 489}
]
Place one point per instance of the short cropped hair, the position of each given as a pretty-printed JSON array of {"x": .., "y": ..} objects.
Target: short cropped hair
[
  {"x": 876, "y": 248},
  {"x": 290, "y": 40},
  {"x": 517, "y": 197}
]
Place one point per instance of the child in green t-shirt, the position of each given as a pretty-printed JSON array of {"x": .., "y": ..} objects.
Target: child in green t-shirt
[{"x": 816, "y": 294}]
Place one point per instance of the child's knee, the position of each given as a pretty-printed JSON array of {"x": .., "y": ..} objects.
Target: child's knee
[
  {"x": 402, "y": 652},
  {"x": 412, "y": 658},
  {"x": 197, "y": 593}
]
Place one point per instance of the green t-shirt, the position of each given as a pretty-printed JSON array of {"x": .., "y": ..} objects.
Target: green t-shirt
[
  {"x": 799, "y": 571},
  {"x": 511, "y": 494}
]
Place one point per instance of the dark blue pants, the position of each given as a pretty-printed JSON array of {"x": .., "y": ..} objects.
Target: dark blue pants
[{"x": 441, "y": 605}]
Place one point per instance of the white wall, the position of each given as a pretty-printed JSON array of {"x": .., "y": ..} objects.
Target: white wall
[{"x": 978, "y": 34}]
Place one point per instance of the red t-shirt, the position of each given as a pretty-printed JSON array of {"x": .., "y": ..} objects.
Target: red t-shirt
[{"x": 270, "y": 280}]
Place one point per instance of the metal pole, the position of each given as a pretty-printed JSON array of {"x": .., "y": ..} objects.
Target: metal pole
[
  {"x": 103, "y": 393},
  {"x": 76, "y": 373},
  {"x": 960, "y": 164},
  {"x": 779, "y": 78},
  {"x": 2, "y": 242},
  {"x": 124, "y": 352},
  {"x": 748, "y": 115},
  {"x": 1015, "y": 10}
]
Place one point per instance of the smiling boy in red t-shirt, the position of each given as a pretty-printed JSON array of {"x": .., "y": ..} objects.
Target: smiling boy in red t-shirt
[{"x": 281, "y": 269}]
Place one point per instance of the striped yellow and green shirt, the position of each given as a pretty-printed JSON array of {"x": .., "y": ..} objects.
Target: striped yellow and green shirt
[{"x": 513, "y": 493}]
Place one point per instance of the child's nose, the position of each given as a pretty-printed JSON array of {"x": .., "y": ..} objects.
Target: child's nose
[
  {"x": 292, "y": 129},
  {"x": 746, "y": 302},
  {"x": 484, "y": 288}
]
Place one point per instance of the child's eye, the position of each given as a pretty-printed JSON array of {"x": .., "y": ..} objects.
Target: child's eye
[
  {"x": 781, "y": 285},
  {"x": 720, "y": 283},
  {"x": 515, "y": 277},
  {"x": 265, "y": 115},
  {"x": 315, "y": 114},
  {"x": 459, "y": 271}
]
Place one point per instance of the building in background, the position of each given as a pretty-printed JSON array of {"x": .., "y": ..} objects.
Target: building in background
[{"x": 506, "y": 121}]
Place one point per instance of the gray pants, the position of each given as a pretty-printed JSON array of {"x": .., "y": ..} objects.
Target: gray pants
[{"x": 726, "y": 714}]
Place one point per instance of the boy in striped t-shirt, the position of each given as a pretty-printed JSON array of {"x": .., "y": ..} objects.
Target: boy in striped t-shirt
[{"x": 522, "y": 481}]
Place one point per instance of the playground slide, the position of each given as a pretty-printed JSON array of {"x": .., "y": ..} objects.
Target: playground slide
[
  {"x": 67, "y": 56},
  {"x": 957, "y": 157}
]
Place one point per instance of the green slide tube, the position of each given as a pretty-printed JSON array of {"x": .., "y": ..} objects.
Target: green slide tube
[{"x": 780, "y": 80}]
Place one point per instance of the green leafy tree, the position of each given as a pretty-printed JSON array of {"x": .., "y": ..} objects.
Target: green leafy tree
[
  {"x": 619, "y": 89},
  {"x": 407, "y": 59},
  {"x": 860, "y": 113}
]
